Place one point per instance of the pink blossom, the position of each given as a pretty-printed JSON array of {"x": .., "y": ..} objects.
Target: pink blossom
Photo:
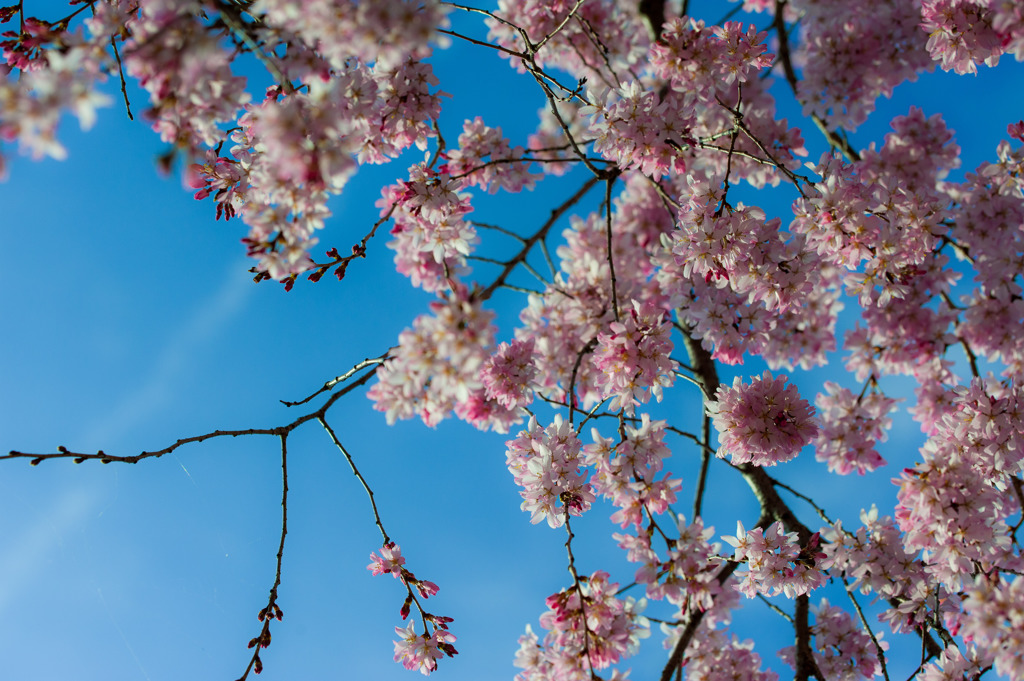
[
  {"x": 485, "y": 158},
  {"x": 842, "y": 650},
  {"x": 390, "y": 560},
  {"x": 634, "y": 358},
  {"x": 584, "y": 622},
  {"x": 851, "y": 427},
  {"x": 715, "y": 654},
  {"x": 545, "y": 463},
  {"x": 420, "y": 651},
  {"x": 763, "y": 422},
  {"x": 1016, "y": 130},
  {"x": 852, "y": 53},
  {"x": 508, "y": 374},
  {"x": 994, "y": 621},
  {"x": 435, "y": 370},
  {"x": 776, "y": 563},
  {"x": 961, "y": 34}
]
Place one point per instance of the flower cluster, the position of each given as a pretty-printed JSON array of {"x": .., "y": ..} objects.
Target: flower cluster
[
  {"x": 714, "y": 655},
  {"x": 842, "y": 650},
  {"x": 954, "y": 504},
  {"x": 413, "y": 650},
  {"x": 636, "y": 130},
  {"x": 293, "y": 150},
  {"x": 852, "y": 53},
  {"x": 702, "y": 60},
  {"x": 965, "y": 33},
  {"x": 584, "y": 622},
  {"x": 687, "y": 577},
  {"x": 763, "y": 422},
  {"x": 627, "y": 472},
  {"x": 744, "y": 286},
  {"x": 436, "y": 368},
  {"x": 634, "y": 358},
  {"x": 509, "y": 373},
  {"x": 776, "y": 563},
  {"x": 988, "y": 218},
  {"x": 601, "y": 32},
  {"x": 186, "y": 72},
  {"x": 390, "y": 561},
  {"x": 994, "y": 621},
  {"x": 740, "y": 249},
  {"x": 545, "y": 463},
  {"x": 579, "y": 303},
  {"x": 30, "y": 106},
  {"x": 873, "y": 555},
  {"x": 953, "y": 664},
  {"x": 486, "y": 160},
  {"x": 432, "y": 239},
  {"x": 385, "y": 32},
  {"x": 850, "y": 428},
  {"x": 884, "y": 214},
  {"x": 422, "y": 651}
]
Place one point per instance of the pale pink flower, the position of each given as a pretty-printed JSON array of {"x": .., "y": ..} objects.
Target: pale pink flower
[
  {"x": 509, "y": 373},
  {"x": 390, "y": 560},
  {"x": 420, "y": 651},
  {"x": 763, "y": 422}
]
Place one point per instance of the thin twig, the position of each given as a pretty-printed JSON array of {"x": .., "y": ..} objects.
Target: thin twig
[
  {"x": 539, "y": 235},
  {"x": 103, "y": 457},
  {"x": 359, "y": 476},
  {"x": 864, "y": 622},
  {"x": 329, "y": 385},
  {"x": 272, "y": 611},
  {"x": 774, "y": 608},
  {"x": 579, "y": 590},
  {"x": 557, "y": 29},
  {"x": 608, "y": 230},
  {"x": 124, "y": 86}
]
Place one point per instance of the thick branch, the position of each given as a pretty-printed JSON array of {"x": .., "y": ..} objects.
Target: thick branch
[
  {"x": 652, "y": 13},
  {"x": 675, "y": 660},
  {"x": 760, "y": 482}
]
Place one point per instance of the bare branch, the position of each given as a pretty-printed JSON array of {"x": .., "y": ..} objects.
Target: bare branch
[
  {"x": 272, "y": 611},
  {"x": 329, "y": 385},
  {"x": 539, "y": 235},
  {"x": 359, "y": 476}
]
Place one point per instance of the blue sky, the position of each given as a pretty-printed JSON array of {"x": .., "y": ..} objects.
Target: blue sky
[{"x": 131, "y": 321}]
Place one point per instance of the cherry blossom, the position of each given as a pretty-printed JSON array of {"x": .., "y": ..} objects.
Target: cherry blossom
[
  {"x": 851, "y": 427},
  {"x": 586, "y": 623},
  {"x": 421, "y": 652},
  {"x": 634, "y": 358},
  {"x": 656, "y": 265},
  {"x": 508, "y": 374},
  {"x": 842, "y": 650},
  {"x": 390, "y": 560},
  {"x": 775, "y": 561},
  {"x": 994, "y": 621},
  {"x": 545, "y": 463},
  {"x": 763, "y": 422}
]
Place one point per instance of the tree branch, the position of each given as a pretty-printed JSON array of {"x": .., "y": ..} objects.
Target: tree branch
[{"x": 272, "y": 611}]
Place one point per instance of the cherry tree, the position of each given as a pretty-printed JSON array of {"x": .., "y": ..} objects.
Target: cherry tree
[{"x": 705, "y": 236}]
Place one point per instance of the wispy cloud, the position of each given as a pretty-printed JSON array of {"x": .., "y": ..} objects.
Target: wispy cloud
[
  {"x": 206, "y": 321},
  {"x": 26, "y": 550}
]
